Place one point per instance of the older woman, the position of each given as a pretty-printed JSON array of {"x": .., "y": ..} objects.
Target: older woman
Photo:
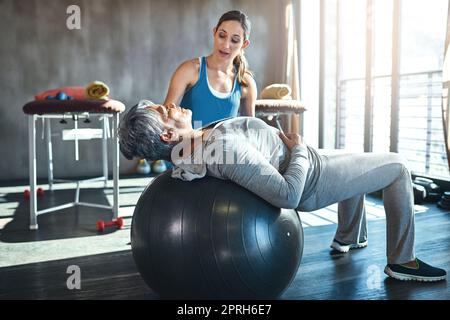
[{"x": 287, "y": 173}]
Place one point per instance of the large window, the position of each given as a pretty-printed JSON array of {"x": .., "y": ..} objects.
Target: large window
[
  {"x": 421, "y": 137},
  {"x": 382, "y": 80}
]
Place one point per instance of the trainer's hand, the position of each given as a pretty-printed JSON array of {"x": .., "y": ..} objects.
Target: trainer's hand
[{"x": 291, "y": 140}]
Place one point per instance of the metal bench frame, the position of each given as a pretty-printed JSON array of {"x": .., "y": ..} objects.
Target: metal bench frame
[{"x": 51, "y": 180}]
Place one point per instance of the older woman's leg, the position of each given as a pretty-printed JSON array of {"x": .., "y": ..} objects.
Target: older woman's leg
[
  {"x": 352, "y": 224},
  {"x": 398, "y": 200},
  {"x": 344, "y": 178}
]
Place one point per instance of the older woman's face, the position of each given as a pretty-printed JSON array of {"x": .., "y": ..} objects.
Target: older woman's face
[{"x": 174, "y": 117}]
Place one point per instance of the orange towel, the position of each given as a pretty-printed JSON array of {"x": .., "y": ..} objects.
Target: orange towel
[
  {"x": 94, "y": 90},
  {"x": 78, "y": 93}
]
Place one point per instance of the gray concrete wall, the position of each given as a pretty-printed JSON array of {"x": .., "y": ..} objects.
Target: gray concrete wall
[{"x": 132, "y": 45}]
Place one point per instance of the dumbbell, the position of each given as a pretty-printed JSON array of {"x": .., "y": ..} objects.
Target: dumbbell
[
  {"x": 432, "y": 189},
  {"x": 61, "y": 95},
  {"x": 445, "y": 201},
  {"x": 420, "y": 193},
  {"x": 39, "y": 192},
  {"x": 101, "y": 225}
]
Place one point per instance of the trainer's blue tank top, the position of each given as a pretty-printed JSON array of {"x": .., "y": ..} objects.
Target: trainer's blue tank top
[{"x": 208, "y": 106}]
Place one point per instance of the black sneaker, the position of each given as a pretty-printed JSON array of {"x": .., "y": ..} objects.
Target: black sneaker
[{"x": 422, "y": 272}]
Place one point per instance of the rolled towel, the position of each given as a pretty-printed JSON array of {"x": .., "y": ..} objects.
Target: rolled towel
[
  {"x": 276, "y": 91},
  {"x": 97, "y": 90}
]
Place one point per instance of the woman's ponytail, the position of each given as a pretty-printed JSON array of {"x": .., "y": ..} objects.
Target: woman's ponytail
[{"x": 241, "y": 64}]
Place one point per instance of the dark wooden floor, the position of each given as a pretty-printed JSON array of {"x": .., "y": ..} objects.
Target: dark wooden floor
[
  {"x": 359, "y": 274},
  {"x": 113, "y": 275}
]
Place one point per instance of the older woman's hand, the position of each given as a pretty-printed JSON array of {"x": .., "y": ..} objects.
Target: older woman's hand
[{"x": 291, "y": 139}]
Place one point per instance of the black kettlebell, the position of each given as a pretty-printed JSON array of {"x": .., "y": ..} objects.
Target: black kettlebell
[
  {"x": 432, "y": 189},
  {"x": 445, "y": 201},
  {"x": 420, "y": 193}
]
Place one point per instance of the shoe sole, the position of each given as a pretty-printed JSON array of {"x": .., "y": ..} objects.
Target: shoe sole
[
  {"x": 404, "y": 277},
  {"x": 343, "y": 249}
]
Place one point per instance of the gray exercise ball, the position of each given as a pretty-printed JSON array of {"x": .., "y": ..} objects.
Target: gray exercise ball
[{"x": 213, "y": 239}]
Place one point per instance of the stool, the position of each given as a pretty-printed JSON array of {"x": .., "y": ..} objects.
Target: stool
[
  {"x": 272, "y": 109},
  {"x": 74, "y": 109}
]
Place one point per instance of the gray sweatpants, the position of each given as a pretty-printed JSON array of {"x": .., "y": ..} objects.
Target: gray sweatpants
[{"x": 346, "y": 178}]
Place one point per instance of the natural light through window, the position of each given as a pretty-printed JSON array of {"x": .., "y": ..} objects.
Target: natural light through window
[{"x": 358, "y": 81}]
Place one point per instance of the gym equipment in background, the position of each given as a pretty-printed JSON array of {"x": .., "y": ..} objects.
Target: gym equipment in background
[
  {"x": 433, "y": 191},
  {"x": 277, "y": 112},
  {"x": 143, "y": 167},
  {"x": 39, "y": 192},
  {"x": 102, "y": 225},
  {"x": 49, "y": 110},
  {"x": 444, "y": 203},
  {"x": 159, "y": 166},
  {"x": 61, "y": 95},
  {"x": 211, "y": 238},
  {"x": 96, "y": 90},
  {"x": 420, "y": 193}
]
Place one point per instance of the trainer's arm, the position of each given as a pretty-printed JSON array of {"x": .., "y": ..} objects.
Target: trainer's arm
[
  {"x": 184, "y": 77},
  {"x": 248, "y": 99}
]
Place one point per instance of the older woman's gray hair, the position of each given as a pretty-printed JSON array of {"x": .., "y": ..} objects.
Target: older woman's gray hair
[{"x": 139, "y": 134}]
